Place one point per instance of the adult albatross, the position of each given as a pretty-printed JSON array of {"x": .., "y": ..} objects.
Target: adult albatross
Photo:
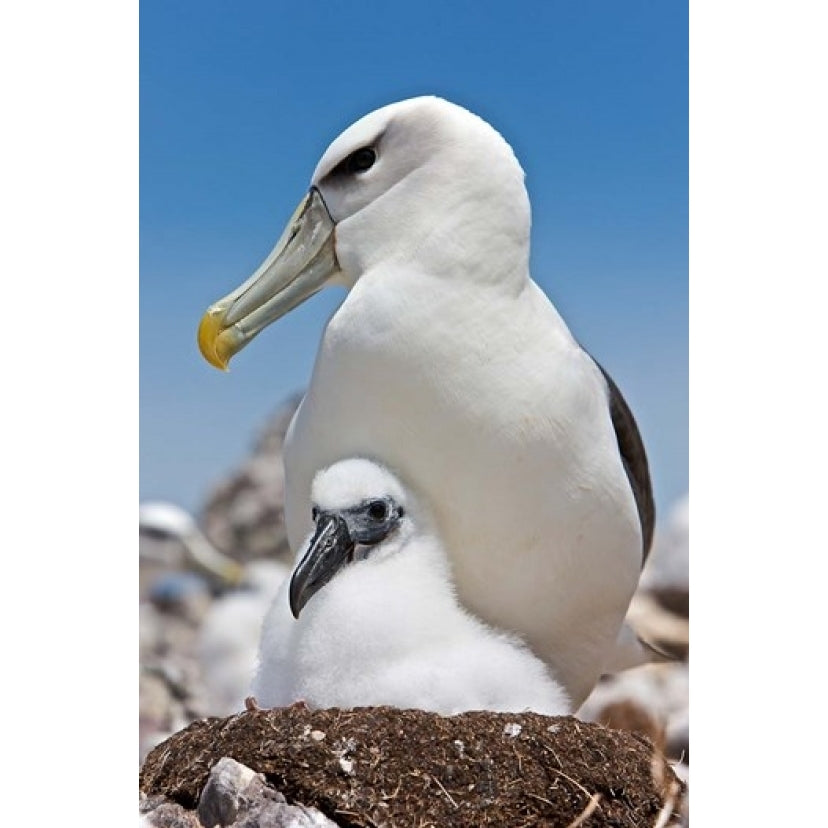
[{"x": 447, "y": 363}]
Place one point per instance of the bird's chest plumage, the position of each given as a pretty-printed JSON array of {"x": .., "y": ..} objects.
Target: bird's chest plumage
[{"x": 494, "y": 418}]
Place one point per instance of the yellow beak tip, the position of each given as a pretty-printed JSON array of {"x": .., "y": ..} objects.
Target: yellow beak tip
[{"x": 210, "y": 340}]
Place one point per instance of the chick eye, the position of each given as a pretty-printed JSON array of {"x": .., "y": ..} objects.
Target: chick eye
[
  {"x": 378, "y": 510},
  {"x": 361, "y": 160}
]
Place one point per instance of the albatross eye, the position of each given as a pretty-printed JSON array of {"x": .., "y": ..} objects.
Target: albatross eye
[
  {"x": 361, "y": 160},
  {"x": 314, "y": 514},
  {"x": 378, "y": 510}
]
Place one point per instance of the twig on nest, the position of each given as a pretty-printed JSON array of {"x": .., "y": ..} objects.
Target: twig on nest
[
  {"x": 541, "y": 798},
  {"x": 669, "y": 803},
  {"x": 586, "y": 813},
  {"x": 450, "y": 797},
  {"x": 573, "y": 781}
]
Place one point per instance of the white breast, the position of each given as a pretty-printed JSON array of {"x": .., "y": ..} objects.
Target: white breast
[{"x": 501, "y": 416}]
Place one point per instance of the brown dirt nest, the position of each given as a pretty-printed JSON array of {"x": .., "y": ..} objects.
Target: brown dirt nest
[{"x": 387, "y": 767}]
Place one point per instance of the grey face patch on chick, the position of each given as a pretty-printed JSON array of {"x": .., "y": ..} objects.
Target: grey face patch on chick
[{"x": 334, "y": 543}]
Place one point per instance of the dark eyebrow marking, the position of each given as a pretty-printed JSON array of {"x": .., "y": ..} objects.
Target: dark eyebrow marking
[{"x": 341, "y": 169}]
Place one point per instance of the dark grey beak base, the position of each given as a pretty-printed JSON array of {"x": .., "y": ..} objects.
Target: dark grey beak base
[{"x": 329, "y": 549}]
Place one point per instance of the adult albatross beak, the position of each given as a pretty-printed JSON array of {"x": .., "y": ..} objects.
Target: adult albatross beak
[
  {"x": 330, "y": 548},
  {"x": 302, "y": 263}
]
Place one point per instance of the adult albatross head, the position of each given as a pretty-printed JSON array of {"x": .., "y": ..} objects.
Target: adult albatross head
[{"x": 420, "y": 179}]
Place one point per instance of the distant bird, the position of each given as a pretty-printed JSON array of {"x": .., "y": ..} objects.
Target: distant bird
[
  {"x": 377, "y": 621},
  {"x": 449, "y": 364},
  {"x": 228, "y": 635},
  {"x": 161, "y": 520},
  {"x": 669, "y": 565}
]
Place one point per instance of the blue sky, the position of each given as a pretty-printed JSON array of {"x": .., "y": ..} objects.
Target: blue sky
[{"x": 239, "y": 100}]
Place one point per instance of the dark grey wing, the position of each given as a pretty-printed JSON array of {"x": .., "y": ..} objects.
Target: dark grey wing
[{"x": 634, "y": 459}]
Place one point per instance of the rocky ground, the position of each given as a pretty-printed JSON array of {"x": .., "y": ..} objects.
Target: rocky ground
[{"x": 199, "y": 626}]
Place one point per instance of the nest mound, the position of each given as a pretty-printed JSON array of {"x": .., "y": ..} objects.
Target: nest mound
[{"x": 386, "y": 767}]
